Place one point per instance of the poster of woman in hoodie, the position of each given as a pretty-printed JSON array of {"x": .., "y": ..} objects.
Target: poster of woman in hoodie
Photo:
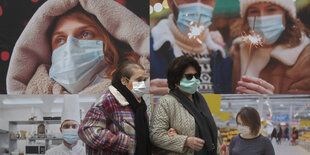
[{"x": 73, "y": 46}]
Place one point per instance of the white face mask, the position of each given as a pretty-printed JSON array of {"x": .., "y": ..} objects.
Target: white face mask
[
  {"x": 244, "y": 130},
  {"x": 138, "y": 88}
]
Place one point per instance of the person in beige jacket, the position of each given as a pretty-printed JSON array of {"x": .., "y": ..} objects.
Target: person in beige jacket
[{"x": 182, "y": 122}]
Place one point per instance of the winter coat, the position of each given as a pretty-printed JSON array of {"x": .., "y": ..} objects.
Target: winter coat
[
  {"x": 287, "y": 69},
  {"x": 170, "y": 113},
  {"x": 100, "y": 134}
]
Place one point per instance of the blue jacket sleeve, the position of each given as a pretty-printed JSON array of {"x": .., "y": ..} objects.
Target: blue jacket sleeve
[
  {"x": 160, "y": 59},
  {"x": 221, "y": 73}
]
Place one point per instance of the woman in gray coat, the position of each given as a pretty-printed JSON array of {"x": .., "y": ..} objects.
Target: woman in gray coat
[{"x": 182, "y": 122}]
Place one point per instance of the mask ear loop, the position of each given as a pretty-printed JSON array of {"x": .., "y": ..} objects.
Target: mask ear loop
[
  {"x": 176, "y": 5},
  {"x": 127, "y": 79}
]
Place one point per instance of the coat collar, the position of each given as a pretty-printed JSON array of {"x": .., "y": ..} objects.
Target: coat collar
[
  {"x": 161, "y": 34},
  {"x": 289, "y": 56},
  {"x": 261, "y": 56},
  {"x": 119, "y": 97}
]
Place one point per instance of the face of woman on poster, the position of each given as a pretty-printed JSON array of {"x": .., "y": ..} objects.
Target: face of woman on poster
[
  {"x": 268, "y": 20},
  {"x": 76, "y": 25},
  {"x": 206, "y": 2},
  {"x": 265, "y": 9},
  {"x": 189, "y": 13},
  {"x": 78, "y": 44}
]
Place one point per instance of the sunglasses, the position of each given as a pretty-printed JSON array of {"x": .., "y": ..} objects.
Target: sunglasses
[{"x": 190, "y": 76}]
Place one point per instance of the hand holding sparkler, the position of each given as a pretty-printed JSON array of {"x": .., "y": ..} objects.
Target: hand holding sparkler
[
  {"x": 252, "y": 39},
  {"x": 253, "y": 85}
]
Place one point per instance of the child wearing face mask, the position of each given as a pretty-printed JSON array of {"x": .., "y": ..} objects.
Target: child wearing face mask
[
  {"x": 249, "y": 141},
  {"x": 281, "y": 64}
]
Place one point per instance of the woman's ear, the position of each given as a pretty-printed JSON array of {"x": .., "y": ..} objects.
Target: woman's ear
[
  {"x": 124, "y": 81},
  {"x": 176, "y": 86}
]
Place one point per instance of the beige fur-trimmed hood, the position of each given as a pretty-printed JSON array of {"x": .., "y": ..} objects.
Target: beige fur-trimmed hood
[{"x": 32, "y": 47}]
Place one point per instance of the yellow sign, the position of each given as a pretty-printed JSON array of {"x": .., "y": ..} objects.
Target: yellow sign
[
  {"x": 224, "y": 116},
  {"x": 214, "y": 102},
  {"x": 304, "y": 123}
]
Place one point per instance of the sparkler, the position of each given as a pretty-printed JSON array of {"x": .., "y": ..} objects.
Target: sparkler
[
  {"x": 253, "y": 39},
  {"x": 195, "y": 31}
]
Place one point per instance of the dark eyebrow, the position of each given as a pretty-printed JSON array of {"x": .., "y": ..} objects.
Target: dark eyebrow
[
  {"x": 252, "y": 7},
  {"x": 80, "y": 28},
  {"x": 57, "y": 33},
  {"x": 143, "y": 77},
  {"x": 88, "y": 26},
  {"x": 270, "y": 5},
  {"x": 140, "y": 77}
]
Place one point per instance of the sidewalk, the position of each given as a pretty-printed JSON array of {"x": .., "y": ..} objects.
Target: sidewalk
[{"x": 285, "y": 149}]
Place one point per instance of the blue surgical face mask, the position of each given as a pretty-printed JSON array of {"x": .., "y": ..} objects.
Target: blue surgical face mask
[
  {"x": 194, "y": 14},
  {"x": 189, "y": 86},
  {"x": 269, "y": 27},
  {"x": 70, "y": 135},
  {"x": 75, "y": 64}
]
